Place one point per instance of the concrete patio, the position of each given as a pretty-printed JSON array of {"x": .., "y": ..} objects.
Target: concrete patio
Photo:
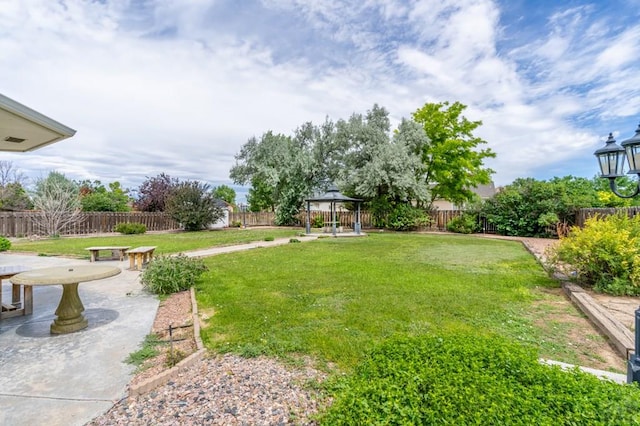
[{"x": 71, "y": 378}]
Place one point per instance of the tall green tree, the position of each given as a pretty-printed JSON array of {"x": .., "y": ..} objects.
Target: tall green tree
[
  {"x": 431, "y": 157},
  {"x": 454, "y": 164},
  {"x": 374, "y": 165},
  {"x": 95, "y": 197},
  {"x": 260, "y": 196},
  {"x": 225, "y": 193},
  {"x": 383, "y": 170},
  {"x": 282, "y": 163}
]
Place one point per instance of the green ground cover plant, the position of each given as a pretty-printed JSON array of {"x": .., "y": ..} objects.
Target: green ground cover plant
[
  {"x": 148, "y": 349},
  {"x": 337, "y": 298},
  {"x": 166, "y": 243},
  {"x": 464, "y": 379}
]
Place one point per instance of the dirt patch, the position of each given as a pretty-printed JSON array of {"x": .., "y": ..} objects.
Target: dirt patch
[
  {"x": 559, "y": 319},
  {"x": 175, "y": 311}
]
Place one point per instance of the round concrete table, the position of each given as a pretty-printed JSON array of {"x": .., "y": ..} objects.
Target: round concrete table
[{"x": 69, "y": 311}]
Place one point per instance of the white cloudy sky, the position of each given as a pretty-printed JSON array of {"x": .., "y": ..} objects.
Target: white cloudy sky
[{"x": 178, "y": 86}]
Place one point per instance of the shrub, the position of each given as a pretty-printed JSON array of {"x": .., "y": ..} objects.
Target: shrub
[
  {"x": 404, "y": 217},
  {"x": 5, "y": 244},
  {"x": 465, "y": 379},
  {"x": 317, "y": 221},
  {"x": 605, "y": 254},
  {"x": 130, "y": 228},
  {"x": 236, "y": 224},
  {"x": 170, "y": 274},
  {"x": 193, "y": 206},
  {"x": 531, "y": 208},
  {"x": 269, "y": 238},
  {"x": 466, "y": 223}
]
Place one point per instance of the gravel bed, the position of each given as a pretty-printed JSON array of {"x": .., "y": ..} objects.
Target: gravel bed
[{"x": 225, "y": 390}]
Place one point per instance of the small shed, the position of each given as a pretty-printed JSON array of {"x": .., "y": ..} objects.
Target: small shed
[
  {"x": 333, "y": 196},
  {"x": 223, "y": 222}
]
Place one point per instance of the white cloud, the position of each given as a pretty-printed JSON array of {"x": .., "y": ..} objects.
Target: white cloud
[{"x": 178, "y": 87}]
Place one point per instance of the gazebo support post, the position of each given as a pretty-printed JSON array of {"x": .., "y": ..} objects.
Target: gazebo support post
[
  {"x": 308, "y": 224},
  {"x": 333, "y": 217},
  {"x": 357, "y": 219}
]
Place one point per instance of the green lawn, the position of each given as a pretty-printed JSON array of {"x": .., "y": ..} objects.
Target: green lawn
[
  {"x": 166, "y": 242},
  {"x": 335, "y": 298}
]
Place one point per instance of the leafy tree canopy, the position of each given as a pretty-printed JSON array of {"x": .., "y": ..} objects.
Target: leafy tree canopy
[
  {"x": 260, "y": 196},
  {"x": 95, "y": 197},
  {"x": 454, "y": 165},
  {"x": 374, "y": 165},
  {"x": 153, "y": 193},
  {"x": 193, "y": 205},
  {"x": 281, "y": 163},
  {"x": 431, "y": 157},
  {"x": 226, "y": 193}
]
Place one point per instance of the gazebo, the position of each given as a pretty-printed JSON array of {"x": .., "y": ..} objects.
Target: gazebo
[{"x": 333, "y": 196}]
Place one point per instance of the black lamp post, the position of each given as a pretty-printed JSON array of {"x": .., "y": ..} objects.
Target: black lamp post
[{"x": 611, "y": 158}]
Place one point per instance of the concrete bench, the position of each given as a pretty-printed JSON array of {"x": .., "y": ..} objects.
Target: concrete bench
[
  {"x": 21, "y": 304},
  {"x": 117, "y": 252},
  {"x": 139, "y": 256}
]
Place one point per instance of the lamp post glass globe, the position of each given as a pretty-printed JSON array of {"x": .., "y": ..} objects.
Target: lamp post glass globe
[{"x": 612, "y": 157}]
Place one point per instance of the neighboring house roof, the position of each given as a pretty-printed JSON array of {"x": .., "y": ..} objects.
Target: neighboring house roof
[{"x": 23, "y": 129}]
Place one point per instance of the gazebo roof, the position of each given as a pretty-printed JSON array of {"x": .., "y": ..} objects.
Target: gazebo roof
[{"x": 332, "y": 195}]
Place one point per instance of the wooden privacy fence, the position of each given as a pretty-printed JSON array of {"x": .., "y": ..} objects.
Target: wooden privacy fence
[
  {"x": 439, "y": 219},
  {"x": 21, "y": 224},
  {"x": 252, "y": 218},
  {"x": 584, "y": 214}
]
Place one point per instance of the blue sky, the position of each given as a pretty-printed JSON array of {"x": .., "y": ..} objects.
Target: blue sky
[{"x": 179, "y": 86}]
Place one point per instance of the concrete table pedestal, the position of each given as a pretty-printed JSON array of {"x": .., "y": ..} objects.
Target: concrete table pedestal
[{"x": 69, "y": 312}]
